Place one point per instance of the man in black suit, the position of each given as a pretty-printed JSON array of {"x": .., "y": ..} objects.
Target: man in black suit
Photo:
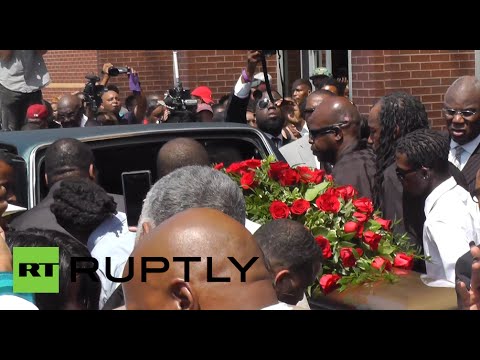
[
  {"x": 64, "y": 159},
  {"x": 462, "y": 113},
  {"x": 270, "y": 119}
]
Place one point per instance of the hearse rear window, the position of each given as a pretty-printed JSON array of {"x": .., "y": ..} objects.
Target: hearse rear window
[{"x": 114, "y": 157}]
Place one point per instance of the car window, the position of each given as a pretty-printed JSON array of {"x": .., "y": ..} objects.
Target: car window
[{"x": 112, "y": 157}]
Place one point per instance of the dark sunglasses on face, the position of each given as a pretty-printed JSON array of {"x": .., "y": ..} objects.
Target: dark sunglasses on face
[
  {"x": 463, "y": 113},
  {"x": 401, "y": 174},
  {"x": 335, "y": 128},
  {"x": 263, "y": 104}
]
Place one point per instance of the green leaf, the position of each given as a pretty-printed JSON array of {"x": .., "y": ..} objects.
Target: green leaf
[
  {"x": 346, "y": 244},
  {"x": 348, "y": 236},
  {"x": 312, "y": 193}
]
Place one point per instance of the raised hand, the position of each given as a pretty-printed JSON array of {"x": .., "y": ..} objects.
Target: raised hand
[{"x": 470, "y": 299}]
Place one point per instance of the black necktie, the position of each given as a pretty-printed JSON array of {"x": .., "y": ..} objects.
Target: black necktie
[{"x": 276, "y": 141}]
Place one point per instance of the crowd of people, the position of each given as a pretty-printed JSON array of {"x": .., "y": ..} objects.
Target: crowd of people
[{"x": 427, "y": 179}]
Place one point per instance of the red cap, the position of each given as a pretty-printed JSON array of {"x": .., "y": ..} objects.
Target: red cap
[
  {"x": 37, "y": 111},
  {"x": 204, "y": 93}
]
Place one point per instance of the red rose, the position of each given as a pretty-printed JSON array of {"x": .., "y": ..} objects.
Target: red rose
[
  {"x": 329, "y": 178},
  {"x": 279, "y": 210},
  {"x": 288, "y": 177},
  {"x": 372, "y": 239},
  {"x": 308, "y": 175},
  {"x": 364, "y": 205},
  {"x": 219, "y": 166},
  {"x": 253, "y": 163},
  {"x": 359, "y": 251},
  {"x": 350, "y": 227},
  {"x": 329, "y": 282},
  {"x": 380, "y": 262},
  {"x": 403, "y": 261},
  {"x": 324, "y": 244},
  {"x": 360, "y": 216},
  {"x": 328, "y": 202},
  {"x": 347, "y": 192},
  {"x": 237, "y": 168},
  {"x": 385, "y": 223},
  {"x": 248, "y": 180},
  {"x": 276, "y": 168},
  {"x": 300, "y": 207},
  {"x": 360, "y": 231},
  {"x": 348, "y": 259},
  {"x": 318, "y": 176}
]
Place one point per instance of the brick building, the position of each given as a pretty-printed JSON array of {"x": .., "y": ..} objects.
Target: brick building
[{"x": 373, "y": 73}]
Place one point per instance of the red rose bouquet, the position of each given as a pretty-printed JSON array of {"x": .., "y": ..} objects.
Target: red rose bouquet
[{"x": 357, "y": 243}]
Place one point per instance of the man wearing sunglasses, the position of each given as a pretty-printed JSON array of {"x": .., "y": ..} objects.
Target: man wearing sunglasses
[
  {"x": 299, "y": 152},
  {"x": 334, "y": 131},
  {"x": 461, "y": 113},
  {"x": 269, "y": 117},
  {"x": 452, "y": 219}
]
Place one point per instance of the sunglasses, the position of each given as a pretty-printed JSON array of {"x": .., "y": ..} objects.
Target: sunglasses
[
  {"x": 401, "y": 174},
  {"x": 462, "y": 113},
  {"x": 263, "y": 104},
  {"x": 335, "y": 128}
]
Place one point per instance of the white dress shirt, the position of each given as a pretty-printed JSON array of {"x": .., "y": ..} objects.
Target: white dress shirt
[
  {"x": 469, "y": 148},
  {"x": 113, "y": 239},
  {"x": 452, "y": 222},
  {"x": 242, "y": 90}
]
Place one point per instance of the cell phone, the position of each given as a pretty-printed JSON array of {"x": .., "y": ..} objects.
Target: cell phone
[{"x": 136, "y": 185}]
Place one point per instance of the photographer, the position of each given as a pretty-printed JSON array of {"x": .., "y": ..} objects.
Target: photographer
[
  {"x": 268, "y": 114},
  {"x": 110, "y": 100}
]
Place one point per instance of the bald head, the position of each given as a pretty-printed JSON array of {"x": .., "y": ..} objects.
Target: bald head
[
  {"x": 313, "y": 100},
  {"x": 463, "y": 94},
  {"x": 70, "y": 111},
  {"x": 336, "y": 110},
  {"x": 200, "y": 233},
  {"x": 178, "y": 153},
  {"x": 463, "y": 83}
]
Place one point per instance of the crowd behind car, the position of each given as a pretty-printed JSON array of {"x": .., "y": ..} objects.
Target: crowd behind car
[{"x": 428, "y": 179}]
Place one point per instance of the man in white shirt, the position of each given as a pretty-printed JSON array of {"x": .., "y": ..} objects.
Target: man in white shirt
[
  {"x": 461, "y": 112},
  {"x": 452, "y": 218}
]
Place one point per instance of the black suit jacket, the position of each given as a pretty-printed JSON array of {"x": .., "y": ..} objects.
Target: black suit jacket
[
  {"x": 40, "y": 216},
  {"x": 470, "y": 169},
  {"x": 237, "y": 109}
]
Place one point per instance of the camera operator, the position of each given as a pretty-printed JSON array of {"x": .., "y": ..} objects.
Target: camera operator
[
  {"x": 269, "y": 117},
  {"x": 111, "y": 99}
]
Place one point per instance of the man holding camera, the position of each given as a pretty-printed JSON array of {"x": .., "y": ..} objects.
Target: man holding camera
[
  {"x": 269, "y": 117},
  {"x": 111, "y": 98}
]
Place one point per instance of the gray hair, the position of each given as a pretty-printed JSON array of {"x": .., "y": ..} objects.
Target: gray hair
[{"x": 192, "y": 187}]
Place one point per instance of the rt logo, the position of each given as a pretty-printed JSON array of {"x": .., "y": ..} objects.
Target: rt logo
[{"x": 35, "y": 270}]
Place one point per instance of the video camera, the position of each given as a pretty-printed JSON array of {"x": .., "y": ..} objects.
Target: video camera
[
  {"x": 115, "y": 71},
  {"x": 92, "y": 93},
  {"x": 179, "y": 99}
]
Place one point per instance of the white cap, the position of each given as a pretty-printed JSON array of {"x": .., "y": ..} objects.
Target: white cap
[{"x": 259, "y": 78}]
